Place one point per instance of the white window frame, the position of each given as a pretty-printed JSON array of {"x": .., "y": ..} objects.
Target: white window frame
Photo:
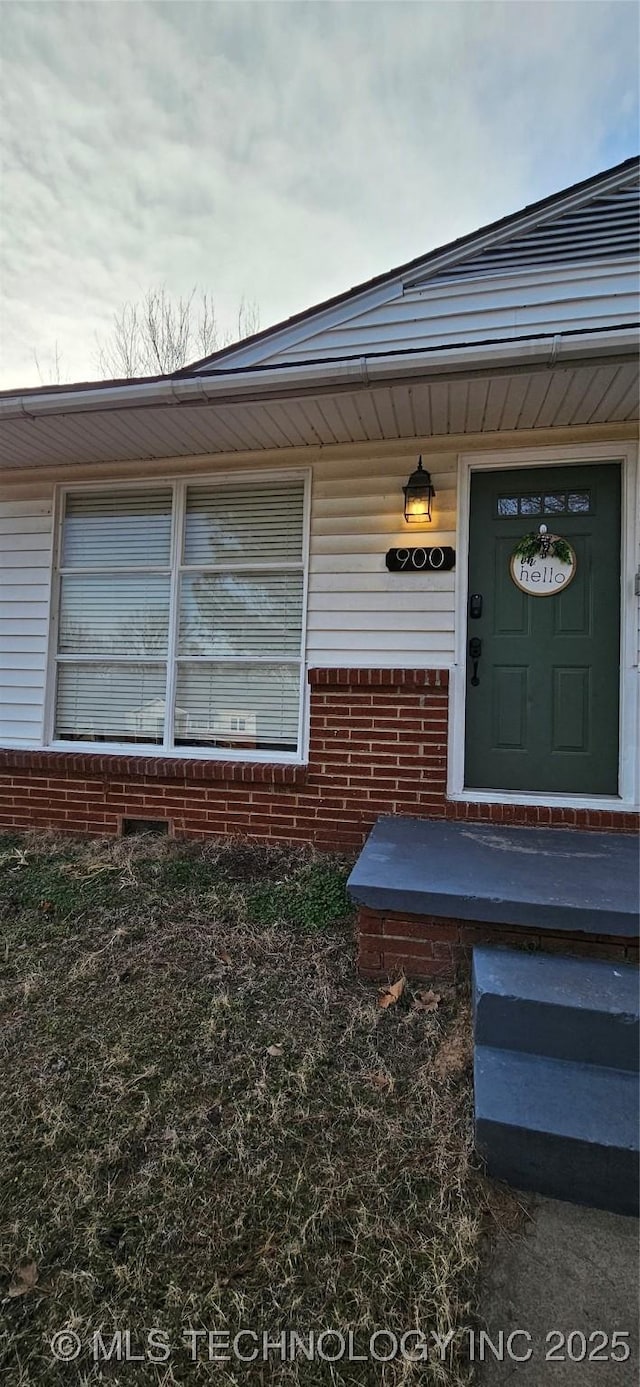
[
  {"x": 626, "y": 454},
  {"x": 178, "y": 486}
]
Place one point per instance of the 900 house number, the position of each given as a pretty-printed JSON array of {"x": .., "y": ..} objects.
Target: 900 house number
[{"x": 436, "y": 559}]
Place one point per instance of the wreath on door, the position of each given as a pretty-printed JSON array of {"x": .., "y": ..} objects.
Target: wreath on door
[{"x": 543, "y": 546}]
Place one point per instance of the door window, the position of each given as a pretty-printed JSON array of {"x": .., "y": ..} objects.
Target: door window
[{"x": 547, "y": 503}]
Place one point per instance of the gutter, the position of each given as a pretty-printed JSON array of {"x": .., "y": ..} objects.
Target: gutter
[{"x": 363, "y": 372}]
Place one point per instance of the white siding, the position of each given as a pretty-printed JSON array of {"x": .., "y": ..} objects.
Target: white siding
[
  {"x": 359, "y": 613},
  {"x": 25, "y": 566},
  {"x": 447, "y": 312}
]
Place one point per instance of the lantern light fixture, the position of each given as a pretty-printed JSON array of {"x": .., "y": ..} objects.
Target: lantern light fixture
[{"x": 418, "y": 495}]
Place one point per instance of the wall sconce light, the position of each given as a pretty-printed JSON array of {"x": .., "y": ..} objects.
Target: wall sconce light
[{"x": 418, "y": 495}]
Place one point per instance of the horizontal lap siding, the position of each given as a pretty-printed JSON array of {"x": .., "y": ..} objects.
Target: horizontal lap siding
[
  {"x": 25, "y": 566},
  {"x": 359, "y": 613},
  {"x": 511, "y": 304}
]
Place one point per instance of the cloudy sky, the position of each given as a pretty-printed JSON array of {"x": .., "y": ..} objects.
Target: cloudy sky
[{"x": 280, "y": 151}]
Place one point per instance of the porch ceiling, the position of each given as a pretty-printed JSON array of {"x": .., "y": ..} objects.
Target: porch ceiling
[{"x": 501, "y": 400}]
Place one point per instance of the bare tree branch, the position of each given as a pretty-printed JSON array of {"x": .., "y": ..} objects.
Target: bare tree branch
[
  {"x": 159, "y": 334},
  {"x": 53, "y": 370}
]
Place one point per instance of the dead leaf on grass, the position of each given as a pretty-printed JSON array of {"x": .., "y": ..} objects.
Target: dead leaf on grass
[
  {"x": 275, "y": 1051},
  {"x": 390, "y": 995},
  {"x": 24, "y": 1278},
  {"x": 427, "y": 1001},
  {"x": 223, "y": 956}
]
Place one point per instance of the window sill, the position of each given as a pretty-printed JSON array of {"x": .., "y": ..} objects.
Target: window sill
[
  {"x": 613, "y": 803},
  {"x": 92, "y": 763}
]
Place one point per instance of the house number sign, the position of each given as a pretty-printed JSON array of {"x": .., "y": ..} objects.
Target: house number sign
[
  {"x": 436, "y": 559},
  {"x": 543, "y": 564}
]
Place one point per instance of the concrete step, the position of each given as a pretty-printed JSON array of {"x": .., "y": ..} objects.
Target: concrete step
[
  {"x": 587, "y": 1010},
  {"x": 535, "y": 878},
  {"x": 564, "y": 1129}
]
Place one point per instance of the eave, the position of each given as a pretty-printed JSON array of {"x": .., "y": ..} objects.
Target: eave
[{"x": 541, "y": 383}]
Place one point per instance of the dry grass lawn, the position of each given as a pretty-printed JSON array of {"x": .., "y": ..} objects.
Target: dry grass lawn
[{"x": 208, "y": 1122}]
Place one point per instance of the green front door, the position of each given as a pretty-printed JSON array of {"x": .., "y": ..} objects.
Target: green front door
[{"x": 543, "y": 691}]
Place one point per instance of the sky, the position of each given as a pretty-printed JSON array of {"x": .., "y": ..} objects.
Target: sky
[{"x": 280, "y": 152}]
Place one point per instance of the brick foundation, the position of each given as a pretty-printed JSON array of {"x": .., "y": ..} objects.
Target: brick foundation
[
  {"x": 378, "y": 745},
  {"x": 429, "y": 947}
]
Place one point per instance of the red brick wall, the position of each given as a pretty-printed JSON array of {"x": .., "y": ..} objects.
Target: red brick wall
[
  {"x": 428, "y": 947},
  {"x": 377, "y": 746}
]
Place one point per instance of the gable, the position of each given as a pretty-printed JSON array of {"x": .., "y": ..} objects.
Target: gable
[
  {"x": 571, "y": 266},
  {"x": 603, "y": 228}
]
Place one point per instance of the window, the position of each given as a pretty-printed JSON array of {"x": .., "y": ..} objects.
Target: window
[
  {"x": 554, "y": 503},
  {"x": 180, "y": 616}
]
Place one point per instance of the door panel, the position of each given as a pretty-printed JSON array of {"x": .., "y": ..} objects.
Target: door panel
[
  {"x": 510, "y": 717},
  {"x": 571, "y": 701},
  {"x": 511, "y": 610},
  {"x": 544, "y": 715},
  {"x": 572, "y": 609}
]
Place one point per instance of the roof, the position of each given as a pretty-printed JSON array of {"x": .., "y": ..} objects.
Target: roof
[{"x": 457, "y": 251}]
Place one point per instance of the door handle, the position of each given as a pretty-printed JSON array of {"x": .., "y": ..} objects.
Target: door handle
[{"x": 475, "y": 651}]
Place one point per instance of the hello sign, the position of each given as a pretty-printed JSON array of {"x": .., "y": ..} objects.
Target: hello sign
[{"x": 543, "y": 564}]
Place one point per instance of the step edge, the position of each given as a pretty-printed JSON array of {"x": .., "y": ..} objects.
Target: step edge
[
  {"x": 623, "y": 1078},
  {"x": 620, "y": 1017}
]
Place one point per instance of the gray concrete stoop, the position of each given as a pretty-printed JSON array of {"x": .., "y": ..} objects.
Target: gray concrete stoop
[{"x": 556, "y": 1075}]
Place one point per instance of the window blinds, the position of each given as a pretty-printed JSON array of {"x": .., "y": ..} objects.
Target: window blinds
[
  {"x": 233, "y": 617},
  {"x": 114, "y": 614},
  {"x": 117, "y": 529},
  {"x": 245, "y": 614},
  {"x": 243, "y": 523},
  {"x": 110, "y": 702},
  {"x": 250, "y": 704}
]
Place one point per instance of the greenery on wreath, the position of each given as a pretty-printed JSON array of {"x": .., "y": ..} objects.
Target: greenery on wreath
[{"x": 531, "y": 546}]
